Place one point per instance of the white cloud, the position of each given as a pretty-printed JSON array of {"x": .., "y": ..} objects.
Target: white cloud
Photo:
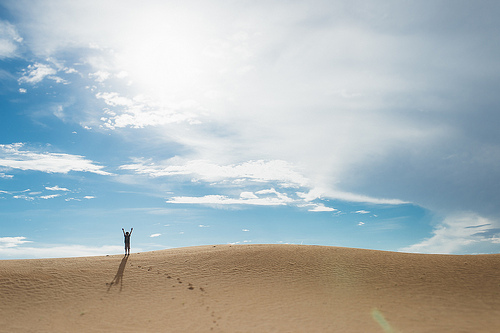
[
  {"x": 100, "y": 76},
  {"x": 321, "y": 208},
  {"x": 88, "y": 197},
  {"x": 38, "y": 72},
  {"x": 266, "y": 197},
  {"x": 114, "y": 99},
  {"x": 353, "y": 197},
  {"x": 154, "y": 235},
  {"x": 140, "y": 112},
  {"x": 256, "y": 171},
  {"x": 362, "y": 212},
  {"x": 9, "y": 40},
  {"x": 12, "y": 192},
  {"x": 24, "y": 197},
  {"x": 13, "y": 156},
  {"x": 224, "y": 200},
  {"x": 29, "y": 195},
  {"x": 272, "y": 192},
  {"x": 9, "y": 242},
  {"x": 52, "y": 196},
  {"x": 136, "y": 117},
  {"x": 268, "y": 191},
  {"x": 464, "y": 233},
  {"x": 203, "y": 226},
  {"x": 56, "y": 188},
  {"x": 7, "y": 49},
  {"x": 361, "y": 223},
  {"x": 331, "y": 193},
  {"x": 4, "y": 176}
]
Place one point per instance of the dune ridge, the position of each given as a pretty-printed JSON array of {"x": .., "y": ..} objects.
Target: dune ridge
[{"x": 253, "y": 288}]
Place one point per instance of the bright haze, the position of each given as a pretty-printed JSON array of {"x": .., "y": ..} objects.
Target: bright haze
[{"x": 344, "y": 123}]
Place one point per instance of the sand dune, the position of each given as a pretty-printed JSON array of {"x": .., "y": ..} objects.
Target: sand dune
[{"x": 252, "y": 288}]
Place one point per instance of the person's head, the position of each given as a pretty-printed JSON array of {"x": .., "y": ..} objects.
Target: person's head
[{"x": 127, "y": 233}]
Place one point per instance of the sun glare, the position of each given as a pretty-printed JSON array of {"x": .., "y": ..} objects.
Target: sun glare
[{"x": 164, "y": 55}]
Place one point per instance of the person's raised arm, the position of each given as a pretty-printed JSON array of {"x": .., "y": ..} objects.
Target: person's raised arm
[
  {"x": 123, "y": 231},
  {"x": 131, "y": 230}
]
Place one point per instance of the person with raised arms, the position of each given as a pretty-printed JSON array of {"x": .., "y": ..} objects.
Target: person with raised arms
[{"x": 127, "y": 240}]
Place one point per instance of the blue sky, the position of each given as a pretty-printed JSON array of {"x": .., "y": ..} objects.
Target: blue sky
[{"x": 345, "y": 123}]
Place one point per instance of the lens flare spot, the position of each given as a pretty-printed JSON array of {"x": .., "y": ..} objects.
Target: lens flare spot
[{"x": 380, "y": 319}]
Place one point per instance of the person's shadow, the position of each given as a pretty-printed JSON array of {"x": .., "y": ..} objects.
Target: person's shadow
[{"x": 118, "y": 279}]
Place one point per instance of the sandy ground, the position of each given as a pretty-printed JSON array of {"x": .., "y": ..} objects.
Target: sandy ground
[{"x": 252, "y": 288}]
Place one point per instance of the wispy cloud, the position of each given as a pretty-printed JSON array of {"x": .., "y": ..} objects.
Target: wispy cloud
[
  {"x": 100, "y": 76},
  {"x": 45, "y": 194},
  {"x": 224, "y": 200},
  {"x": 154, "y": 235},
  {"x": 57, "y": 188},
  {"x": 463, "y": 233},
  {"x": 9, "y": 40},
  {"x": 51, "y": 196},
  {"x": 259, "y": 171},
  {"x": 16, "y": 157},
  {"x": 353, "y": 197},
  {"x": 23, "y": 197}
]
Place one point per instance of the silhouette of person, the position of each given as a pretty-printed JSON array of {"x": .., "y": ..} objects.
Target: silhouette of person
[{"x": 127, "y": 240}]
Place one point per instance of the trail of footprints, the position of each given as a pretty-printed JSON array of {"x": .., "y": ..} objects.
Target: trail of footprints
[{"x": 190, "y": 286}]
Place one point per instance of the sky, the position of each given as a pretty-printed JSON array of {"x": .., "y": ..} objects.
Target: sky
[{"x": 339, "y": 123}]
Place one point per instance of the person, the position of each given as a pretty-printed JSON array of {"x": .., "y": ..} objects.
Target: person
[{"x": 127, "y": 240}]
